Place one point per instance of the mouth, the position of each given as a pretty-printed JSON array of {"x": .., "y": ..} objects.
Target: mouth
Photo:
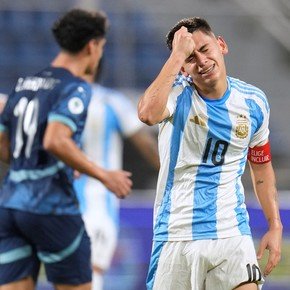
[{"x": 207, "y": 71}]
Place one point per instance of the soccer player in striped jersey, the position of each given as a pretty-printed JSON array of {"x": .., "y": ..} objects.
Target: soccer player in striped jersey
[
  {"x": 40, "y": 129},
  {"x": 112, "y": 117},
  {"x": 208, "y": 124}
]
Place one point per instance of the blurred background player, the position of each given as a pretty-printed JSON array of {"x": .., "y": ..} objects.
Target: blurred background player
[
  {"x": 40, "y": 129},
  {"x": 3, "y": 99},
  {"x": 112, "y": 117},
  {"x": 3, "y": 166}
]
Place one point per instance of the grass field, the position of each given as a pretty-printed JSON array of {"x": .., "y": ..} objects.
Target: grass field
[{"x": 282, "y": 271}]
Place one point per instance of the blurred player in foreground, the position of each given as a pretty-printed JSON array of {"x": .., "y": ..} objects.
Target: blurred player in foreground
[
  {"x": 209, "y": 122},
  {"x": 40, "y": 128},
  {"x": 112, "y": 117}
]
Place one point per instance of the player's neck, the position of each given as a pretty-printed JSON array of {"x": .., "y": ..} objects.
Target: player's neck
[
  {"x": 72, "y": 63},
  {"x": 214, "y": 91}
]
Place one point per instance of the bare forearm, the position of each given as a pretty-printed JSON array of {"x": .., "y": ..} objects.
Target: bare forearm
[
  {"x": 147, "y": 146},
  {"x": 152, "y": 104},
  {"x": 268, "y": 197},
  {"x": 70, "y": 154},
  {"x": 65, "y": 149},
  {"x": 4, "y": 156},
  {"x": 4, "y": 148},
  {"x": 266, "y": 191}
]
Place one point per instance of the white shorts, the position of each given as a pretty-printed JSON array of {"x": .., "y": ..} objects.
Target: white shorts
[
  {"x": 103, "y": 233},
  {"x": 101, "y": 218},
  {"x": 221, "y": 264}
]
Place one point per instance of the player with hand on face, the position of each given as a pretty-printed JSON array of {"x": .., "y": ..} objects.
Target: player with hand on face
[{"x": 209, "y": 122}]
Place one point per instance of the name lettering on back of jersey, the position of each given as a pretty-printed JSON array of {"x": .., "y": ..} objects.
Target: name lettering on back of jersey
[
  {"x": 242, "y": 127},
  {"x": 35, "y": 83},
  {"x": 76, "y": 105},
  {"x": 199, "y": 120}
]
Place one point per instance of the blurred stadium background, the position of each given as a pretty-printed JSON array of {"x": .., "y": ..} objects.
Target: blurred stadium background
[{"x": 257, "y": 32}]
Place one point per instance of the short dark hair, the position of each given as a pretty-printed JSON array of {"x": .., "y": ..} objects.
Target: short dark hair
[
  {"x": 77, "y": 27},
  {"x": 192, "y": 24}
]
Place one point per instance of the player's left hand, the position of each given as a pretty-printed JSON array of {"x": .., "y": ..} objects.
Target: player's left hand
[{"x": 272, "y": 242}]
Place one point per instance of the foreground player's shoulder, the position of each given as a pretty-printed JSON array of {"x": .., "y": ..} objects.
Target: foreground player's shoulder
[
  {"x": 71, "y": 107},
  {"x": 77, "y": 91},
  {"x": 249, "y": 91},
  {"x": 182, "y": 80},
  {"x": 180, "y": 83}
]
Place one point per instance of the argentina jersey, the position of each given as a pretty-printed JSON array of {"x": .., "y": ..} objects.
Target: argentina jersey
[
  {"x": 38, "y": 182},
  {"x": 199, "y": 192},
  {"x": 111, "y": 117}
]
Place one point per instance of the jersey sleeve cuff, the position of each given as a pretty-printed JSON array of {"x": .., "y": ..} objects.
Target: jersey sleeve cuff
[
  {"x": 3, "y": 128},
  {"x": 62, "y": 119}
]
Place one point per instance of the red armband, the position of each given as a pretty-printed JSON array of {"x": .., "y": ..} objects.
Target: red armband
[{"x": 260, "y": 154}]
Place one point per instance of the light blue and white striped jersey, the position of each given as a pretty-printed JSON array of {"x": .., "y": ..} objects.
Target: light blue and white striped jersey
[
  {"x": 203, "y": 149},
  {"x": 111, "y": 116}
]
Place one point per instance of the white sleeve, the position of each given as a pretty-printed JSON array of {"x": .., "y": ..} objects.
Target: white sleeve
[
  {"x": 171, "y": 102},
  {"x": 262, "y": 115},
  {"x": 126, "y": 113}
]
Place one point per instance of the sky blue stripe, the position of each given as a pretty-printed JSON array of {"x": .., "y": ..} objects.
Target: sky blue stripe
[
  {"x": 254, "y": 124},
  {"x": 27, "y": 174},
  {"x": 79, "y": 185},
  {"x": 179, "y": 121},
  {"x": 111, "y": 126},
  {"x": 2, "y": 128},
  {"x": 256, "y": 115},
  {"x": 15, "y": 254},
  {"x": 241, "y": 213},
  {"x": 208, "y": 174},
  {"x": 246, "y": 86},
  {"x": 156, "y": 252},
  {"x": 249, "y": 90},
  {"x": 50, "y": 258},
  {"x": 64, "y": 120}
]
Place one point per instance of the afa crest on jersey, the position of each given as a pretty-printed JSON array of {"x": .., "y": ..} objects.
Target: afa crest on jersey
[{"x": 242, "y": 127}]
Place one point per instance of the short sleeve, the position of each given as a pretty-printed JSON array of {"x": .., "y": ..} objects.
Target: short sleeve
[
  {"x": 179, "y": 84},
  {"x": 261, "y": 113},
  {"x": 126, "y": 113},
  {"x": 71, "y": 108}
]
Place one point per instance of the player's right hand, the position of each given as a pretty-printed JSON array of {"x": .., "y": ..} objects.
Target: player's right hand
[
  {"x": 119, "y": 182},
  {"x": 183, "y": 42}
]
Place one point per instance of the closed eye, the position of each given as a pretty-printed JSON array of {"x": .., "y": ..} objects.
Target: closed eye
[
  {"x": 204, "y": 48},
  {"x": 190, "y": 58}
]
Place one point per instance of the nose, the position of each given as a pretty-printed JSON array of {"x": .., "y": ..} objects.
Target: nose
[{"x": 200, "y": 59}]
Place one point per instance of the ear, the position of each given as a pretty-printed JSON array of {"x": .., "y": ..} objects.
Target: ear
[
  {"x": 87, "y": 49},
  {"x": 223, "y": 45},
  {"x": 184, "y": 72},
  {"x": 90, "y": 46}
]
